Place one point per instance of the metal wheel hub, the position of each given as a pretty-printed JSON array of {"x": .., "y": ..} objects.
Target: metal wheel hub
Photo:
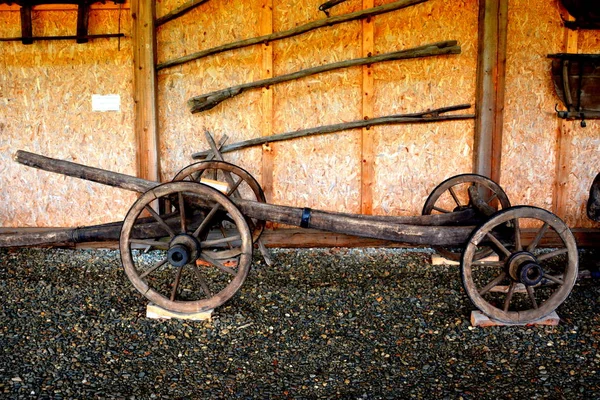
[
  {"x": 183, "y": 249},
  {"x": 523, "y": 267}
]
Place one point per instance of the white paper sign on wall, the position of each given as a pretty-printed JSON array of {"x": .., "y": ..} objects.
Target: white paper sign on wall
[{"x": 108, "y": 102}]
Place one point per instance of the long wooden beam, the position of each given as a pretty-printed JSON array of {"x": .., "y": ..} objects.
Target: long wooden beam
[
  {"x": 291, "y": 32},
  {"x": 179, "y": 11},
  {"x": 425, "y": 117},
  {"x": 210, "y": 100}
]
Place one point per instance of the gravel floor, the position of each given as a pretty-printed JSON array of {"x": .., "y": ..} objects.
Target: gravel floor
[{"x": 331, "y": 323}]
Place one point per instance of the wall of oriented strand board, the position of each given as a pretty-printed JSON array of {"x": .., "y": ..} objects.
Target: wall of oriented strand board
[
  {"x": 531, "y": 128},
  {"x": 45, "y": 107},
  {"x": 324, "y": 172},
  {"x": 46, "y": 88}
]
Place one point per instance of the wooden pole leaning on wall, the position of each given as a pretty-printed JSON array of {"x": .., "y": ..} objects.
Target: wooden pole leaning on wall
[
  {"x": 207, "y": 101},
  {"x": 144, "y": 82},
  {"x": 413, "y": 118},
  {"x": 266, "y": 38},
  {"x": 179, "y": 11}
]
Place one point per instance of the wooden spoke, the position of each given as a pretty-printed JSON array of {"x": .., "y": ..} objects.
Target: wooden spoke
[
  {"x": 182, "y": 212},
  {"x": 160, "y": 220},
  {"x": 154, "y": 268},
  {"x": 207, "y": 220},
  {"x": 509, "y": 295},
  {"x": 493, "y": 197},
  {"x": 234, "y": 187},
  {"x": 176, "y": 283},
  {"x": 481, "y": 263},
  {"x": 538, "y": 237},
  {"x": 554, "y": 253},
  {"x": 149, "y": 242},
  {"x": 454, "y": 196},
  {"x": 216, "y": 242},
  {"x": 531, "y": 294},
  {"x": 518, "y": 244},
  {"x": 498, "y": 244},
  {"x": 554, "y": 279},
  {"x": 225, "y": 236},
  {"x": 217, "y": 264},
  {"x": 202, "y": 280},
  {"x": 442, "y": 210},
  {"x": 492, "y": 284}
]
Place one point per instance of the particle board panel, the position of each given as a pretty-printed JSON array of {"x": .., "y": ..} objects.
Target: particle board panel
[
  {"x": 410, "y": 160},
  {"x": 530, "y": 125},
  {"x": 182, "y": 133},
  {"x": 320, "y": 172},
  {"x": 45, "y": 107}
]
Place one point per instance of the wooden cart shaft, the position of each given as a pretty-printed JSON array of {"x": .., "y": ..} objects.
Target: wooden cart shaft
[{"x": 433, "y": 230}]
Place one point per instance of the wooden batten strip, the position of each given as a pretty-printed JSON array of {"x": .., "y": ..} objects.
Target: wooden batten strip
[
  {"x": 268, "y": 153},
  {"x": 179, "y": 11},
  {"x": 500, "y": 91},
  {"x": 144, "y": 76},
  {"x": 367, "y": 140},
  {"x": 563, "y": 143}
]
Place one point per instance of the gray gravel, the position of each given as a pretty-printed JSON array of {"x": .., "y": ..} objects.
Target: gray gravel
[{"x": 350, "y": 324}]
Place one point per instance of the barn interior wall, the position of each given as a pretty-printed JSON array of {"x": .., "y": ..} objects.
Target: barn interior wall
[
  {"x": 46, "y": 88},
  {"x": 45, "y": 107}
]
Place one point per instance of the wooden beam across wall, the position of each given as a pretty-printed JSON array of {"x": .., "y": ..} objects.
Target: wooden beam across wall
[
  {"x": 491, "y": 75},
  {"x": 367, "y": 140},
  {"x": 144, "y": 82}
]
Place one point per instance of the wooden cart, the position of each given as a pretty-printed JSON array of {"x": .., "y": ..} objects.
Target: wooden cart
[{"x": 187, "y": 245}]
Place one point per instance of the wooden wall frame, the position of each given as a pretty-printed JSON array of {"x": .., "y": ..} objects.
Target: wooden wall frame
[
  {"x": 145, "y": 93},
  {"x": 491, "y": 76}
]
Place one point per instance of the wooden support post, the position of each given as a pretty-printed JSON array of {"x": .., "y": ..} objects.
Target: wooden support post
[
  {"x": 26, "y": 26},
  {"x": 269, "y": 150},
  {"x": 367, "y": 140},
  {"x": 83, "y": 17},
  {"x": 491, "y": 74},
  {"x": 146, "y": 122},
  {"x": 563, "y": 142}
]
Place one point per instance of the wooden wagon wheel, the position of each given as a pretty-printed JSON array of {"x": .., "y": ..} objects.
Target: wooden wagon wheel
[
  {"x": 528, "y": 283},
  {"x": 238, "y": 183},
  {"x": 453, "y": 195},
  {"x": 201, "y": 255}
]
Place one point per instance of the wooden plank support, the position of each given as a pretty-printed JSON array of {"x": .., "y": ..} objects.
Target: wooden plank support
[
  {"x": 26, "y": 25},
  {"x": 178, "y": 12},
  {"x": 491, "y": 75},
  {"x": 367, "y": 169},
  {"x": 146, "y": 119},
  {"x": 563, "y": 143}
]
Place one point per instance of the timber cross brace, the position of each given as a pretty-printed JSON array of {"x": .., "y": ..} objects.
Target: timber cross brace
[{"x": 83, "y": 8}]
